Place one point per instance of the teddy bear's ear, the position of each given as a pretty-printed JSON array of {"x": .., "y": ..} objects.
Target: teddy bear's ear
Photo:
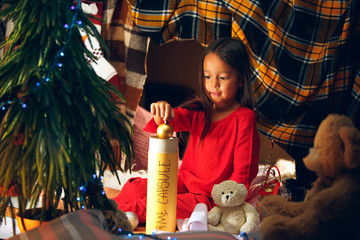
[
  {"x": 214, "y": 189},
  {"x": 242, "y": 187},
  {"x": 351, "y": 139}
]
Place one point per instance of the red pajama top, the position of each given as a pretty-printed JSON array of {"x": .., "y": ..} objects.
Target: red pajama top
[{"x": 230, "y": 149}]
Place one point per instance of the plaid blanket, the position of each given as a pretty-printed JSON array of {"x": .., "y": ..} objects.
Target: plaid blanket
[
  {"x": 304, "y": 55},
  {"x": 128, "y": 48}
]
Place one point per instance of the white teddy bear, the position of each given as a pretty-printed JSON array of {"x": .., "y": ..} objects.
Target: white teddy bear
[{"x": 231, "y": 213}]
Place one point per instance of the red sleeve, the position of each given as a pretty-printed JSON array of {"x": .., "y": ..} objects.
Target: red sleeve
[
  {"x": 246, "y": 153},
  {"x": 151, "y": 126}
]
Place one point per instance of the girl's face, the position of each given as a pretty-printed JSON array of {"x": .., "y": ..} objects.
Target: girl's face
[{"x": 221, "y": 81}]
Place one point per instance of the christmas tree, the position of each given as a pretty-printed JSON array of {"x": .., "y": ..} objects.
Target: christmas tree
[{"x": 57, "y": 115}]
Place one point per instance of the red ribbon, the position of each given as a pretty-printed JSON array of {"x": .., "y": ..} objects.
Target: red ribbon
[{"x": 264, "y": 190}]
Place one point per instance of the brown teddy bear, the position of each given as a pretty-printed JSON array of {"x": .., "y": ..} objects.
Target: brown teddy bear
[
  {"x": 231, "y": 213},
  {"x": 331, "y": 208}
]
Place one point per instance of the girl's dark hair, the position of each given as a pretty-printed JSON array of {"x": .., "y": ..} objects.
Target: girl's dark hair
[{"x": 233, "y": 52}]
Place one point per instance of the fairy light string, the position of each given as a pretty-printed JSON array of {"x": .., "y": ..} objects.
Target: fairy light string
[
  {"x": 5, "y": 104},
  {"x": 61, "y": 52},
  {"x": 83, "y": 199},
  {"x": 84, "y": 190}
]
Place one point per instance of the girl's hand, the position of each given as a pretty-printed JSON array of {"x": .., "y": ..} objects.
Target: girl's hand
[{"x": 162, "y": 111}]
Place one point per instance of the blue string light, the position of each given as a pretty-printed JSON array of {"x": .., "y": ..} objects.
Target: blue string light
[
  {"x": 243, "y": 235},
  {"x": 138, "y": 235},
  {"x": 61, "y": 53},
  {"x": 95, "y": 180},
  {"x": 4, "y": 104}
]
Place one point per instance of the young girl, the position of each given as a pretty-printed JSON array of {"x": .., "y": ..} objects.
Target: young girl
[{"x": 224, "y": 142}]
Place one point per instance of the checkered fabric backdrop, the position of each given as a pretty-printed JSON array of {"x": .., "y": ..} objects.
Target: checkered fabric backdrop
[{"x": 304, "y": 55}]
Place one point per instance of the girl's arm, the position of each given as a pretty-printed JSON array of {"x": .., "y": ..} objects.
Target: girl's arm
[
  {"x": 246, "y": 153},
  {"x": 162, "y": 111},
  {"x": 180, "y": 119}
]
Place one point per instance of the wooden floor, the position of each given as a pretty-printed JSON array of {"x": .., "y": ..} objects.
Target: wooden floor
[{"x": 140, "y": 229}]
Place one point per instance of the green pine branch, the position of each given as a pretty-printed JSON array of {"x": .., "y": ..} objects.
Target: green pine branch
[{"x": 57, "y": 121}]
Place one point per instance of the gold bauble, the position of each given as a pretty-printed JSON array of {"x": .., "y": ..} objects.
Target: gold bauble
[{"x": 165, "y": 131}]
